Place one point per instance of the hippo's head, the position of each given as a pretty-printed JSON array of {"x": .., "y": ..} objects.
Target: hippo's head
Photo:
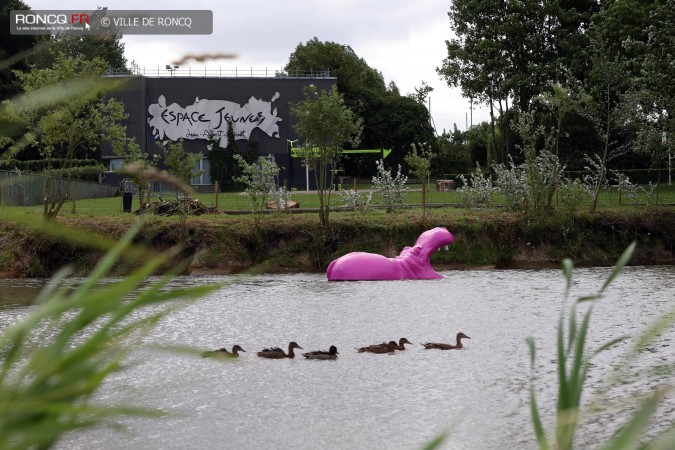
[{"x": 434, "y": 239}]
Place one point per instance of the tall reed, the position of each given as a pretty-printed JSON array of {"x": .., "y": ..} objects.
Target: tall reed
[
  {"x": 573, "y": 363},
  {"x": 54, "y": 360}
]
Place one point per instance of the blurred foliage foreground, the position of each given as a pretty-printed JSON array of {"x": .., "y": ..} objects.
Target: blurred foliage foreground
[{"x": 55, "y": 359}]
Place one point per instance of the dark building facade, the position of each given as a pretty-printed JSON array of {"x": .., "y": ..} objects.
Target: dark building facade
[{"x": 193, "y": 109}]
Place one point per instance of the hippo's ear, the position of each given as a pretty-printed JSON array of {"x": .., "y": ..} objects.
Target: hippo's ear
[{"x": 416, "y": 250}]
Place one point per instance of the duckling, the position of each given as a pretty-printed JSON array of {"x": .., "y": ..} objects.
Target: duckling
[
  {"x": 277, "y": 353},
  {"x": 223, "y": 353},
  {"x": 442, "y": 346},
  {"x": 330, "y": 354},
  {"x": 380, "y": 348}
]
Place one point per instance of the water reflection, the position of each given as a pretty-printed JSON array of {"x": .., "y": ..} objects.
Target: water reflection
[
  {"x": 19, "y": 292},
  {"x": 397, "y": 401}
]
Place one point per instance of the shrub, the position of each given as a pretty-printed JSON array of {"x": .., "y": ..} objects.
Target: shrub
[
  {"x": 390, "y": 188},
  {"x": 477, "y": 192},
  {"x": 354, "y": 201}
]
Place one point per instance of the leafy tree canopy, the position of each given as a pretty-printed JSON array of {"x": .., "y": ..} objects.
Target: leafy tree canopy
[
  {"x": 11, "y": 47},
  {"x": 354, "y": 75},
  {"x": 389, "y": 119},
  {"x": 108, "y": 48}
]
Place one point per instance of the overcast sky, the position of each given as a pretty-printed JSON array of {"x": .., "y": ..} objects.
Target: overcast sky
[{"x": 404, "y": 40}]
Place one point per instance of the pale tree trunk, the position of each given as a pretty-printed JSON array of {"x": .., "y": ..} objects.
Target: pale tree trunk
[
  {"x": 59, "y": 198},
  {"x": 601, "y": 176},
  {"x": 494, "y": 133}
]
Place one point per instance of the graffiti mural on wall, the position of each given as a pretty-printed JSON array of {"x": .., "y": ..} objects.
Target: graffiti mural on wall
[{"x": 211, "y": 117}]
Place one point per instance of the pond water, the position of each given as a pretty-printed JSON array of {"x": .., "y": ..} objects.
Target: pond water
[{"x": 371, "y": 401}]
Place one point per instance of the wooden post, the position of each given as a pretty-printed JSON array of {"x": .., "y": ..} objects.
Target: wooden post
[
  {"x": 619, "y": 196},
  {"x": 286, "y": 189},
  {"x": 217, "y": 188},
  {"x": 73, "y": 190},
  {"x": 356, "y": 184}
]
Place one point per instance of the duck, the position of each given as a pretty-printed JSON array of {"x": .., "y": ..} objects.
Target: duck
[
  {"x": 401, "y": 343},
  {"x": 277, "y": 353},
  {"x": 442, "y": 346},
  {"x": 318, "y": 354},
  {"x": 389, "y": 347},
  {"x": 223, "y": 353}
]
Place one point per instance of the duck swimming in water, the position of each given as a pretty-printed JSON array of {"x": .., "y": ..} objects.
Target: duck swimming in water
[
  {"x": 330, "y": 354},
  {"x": 223, "y": 353},
  {"x": 442, "y": 346},
  {"x": 277, "y": 353},
  {"x": 390, "y": 347},
  {"x": 401, "y": 343}
]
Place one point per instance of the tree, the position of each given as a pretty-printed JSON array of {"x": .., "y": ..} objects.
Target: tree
[
  {"x": 454, "y": 155},
  {"x": 541, "y": 171},
  {"x": 224, "y": 167},
  {"x": 477, "y": 58},
  {"x": 107, "y": 47},
  {"x": 420, "y": 166},
  {"x": 13, "y": 50},
  {"x": 181, "y": 164},
  {"x": 649, "y": 102},
  {"x": 217, "y": 159},
  {"x": 560, "y": 103},
  {"x": 514, "y": 51},
  {"x": 604, "y": 111},
  {"x": 75, "y": 116},
  {"x": 421, "y": 93},
  {"x": 390, "y": 187},
  {"x": 354, "y": 77},
  {"x": 260, "y": 181},
  {"x": 389, "y": 119},
  {"x": 397, "y": 123},
  {"x": 325, "y": 124},
  {"x": 134, "y": 155}
]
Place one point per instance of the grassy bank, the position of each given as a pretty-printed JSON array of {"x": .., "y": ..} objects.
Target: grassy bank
[{"x": 296, "y": 242}]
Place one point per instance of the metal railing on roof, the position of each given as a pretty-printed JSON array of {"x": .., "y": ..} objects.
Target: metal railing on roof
[{"x": 169, "y": 71}]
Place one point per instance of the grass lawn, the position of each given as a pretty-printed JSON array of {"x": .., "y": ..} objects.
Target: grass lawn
[{"x": 231, "y": 201}]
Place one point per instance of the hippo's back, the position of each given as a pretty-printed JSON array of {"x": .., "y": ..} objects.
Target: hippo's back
[{"x": 363, "y": 266}]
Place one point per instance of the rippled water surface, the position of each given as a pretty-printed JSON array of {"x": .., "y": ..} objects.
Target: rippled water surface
[{"x": 369, "y": 401}]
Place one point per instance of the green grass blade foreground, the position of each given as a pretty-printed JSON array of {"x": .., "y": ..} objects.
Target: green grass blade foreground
[
  {"x": 55, "y": 359},
  {"x": 539, "y": 432},
  {"x": 573, "y": 361}
]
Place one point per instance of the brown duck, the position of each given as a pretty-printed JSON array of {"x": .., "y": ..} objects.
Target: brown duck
[
  {"x": 390, "y": 347},
  {"x": 442, "y": 346},
  {"x": 277, "y": 353},
  {"x": 401, "y": 343},
  {"x": 330, "y": 354},
  {"x": 223, "y": 353}
]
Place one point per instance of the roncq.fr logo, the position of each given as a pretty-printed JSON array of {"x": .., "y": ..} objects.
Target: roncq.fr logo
[{"x": 51, "y": 19}]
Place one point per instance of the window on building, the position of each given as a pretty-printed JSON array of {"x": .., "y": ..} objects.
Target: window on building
[
  {"x": 205, "y": 177},
  {"x": 115, "y": 164}
]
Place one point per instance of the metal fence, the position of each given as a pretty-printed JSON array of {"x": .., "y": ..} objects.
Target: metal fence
[{"x": 18, "y": 189}]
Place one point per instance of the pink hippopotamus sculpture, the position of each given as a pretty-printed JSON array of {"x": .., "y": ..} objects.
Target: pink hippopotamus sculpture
[{"x": 412, "y": 264}]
